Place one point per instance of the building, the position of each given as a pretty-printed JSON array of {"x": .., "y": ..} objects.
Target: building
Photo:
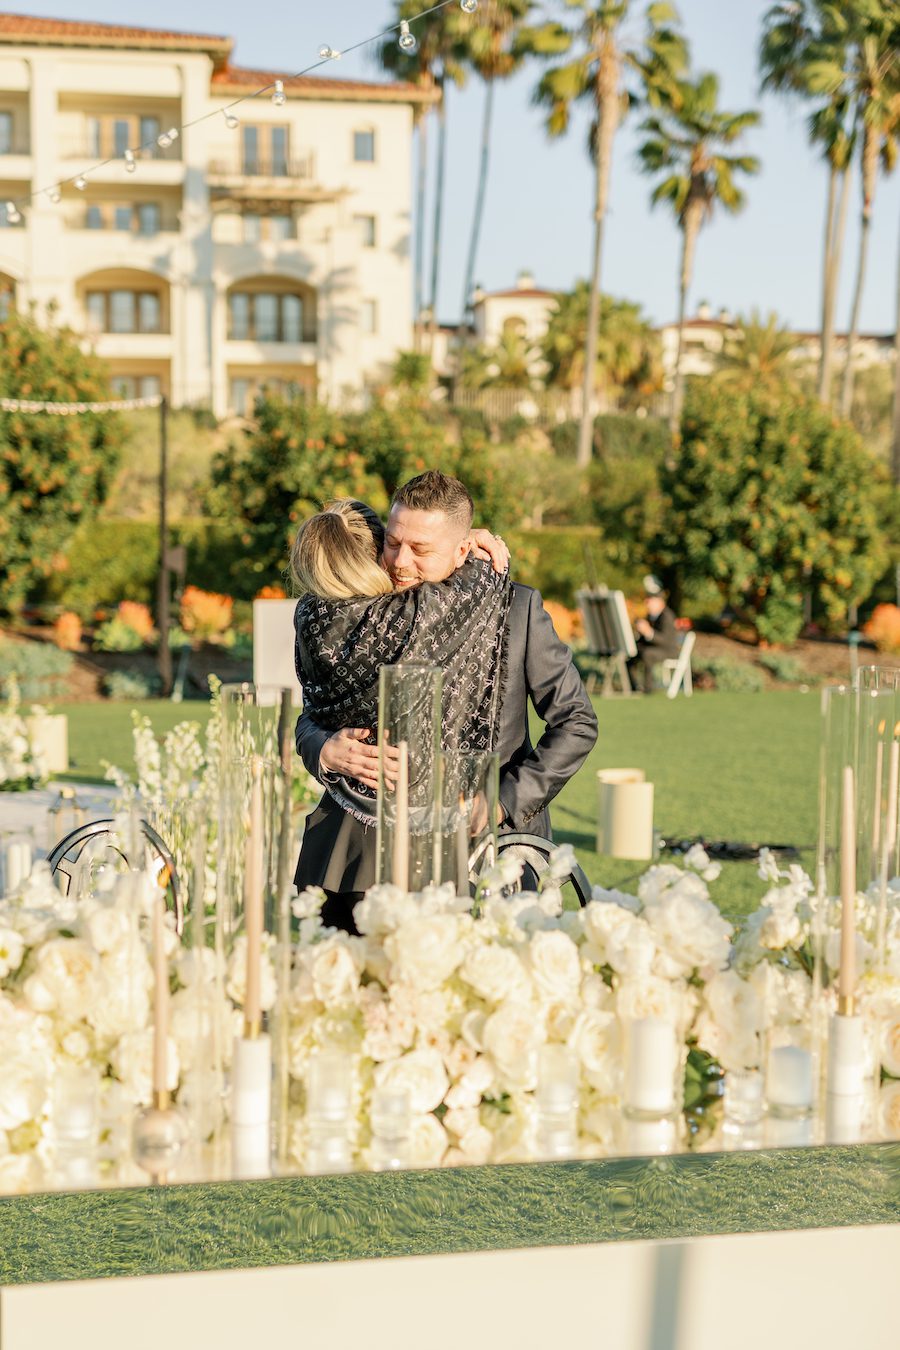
[
  {"x": 261, "y": 244},
  {"x": 524, "y": 310}
]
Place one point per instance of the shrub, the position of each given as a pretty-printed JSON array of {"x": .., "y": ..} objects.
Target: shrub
[
  {"x": 730, "y": 677},
  {"x": 127, "y": 686},
  {"x": 205, "y": 614},
  {"x": 40, "y": 669},
  {"x": 67, "y": 631},
  {"x": 54, "y": 471},
  {"x": 557, "y": 561},
  {"x": 784, "y": 667},
  {"x": 567, "y": 622},
  {"x": 271, "y": 593},
  {"x": 772, "y": 498},
  {"x": 137, "y": 616},
  {"x": 116, "y": 636},
  {"x": 884, "y": 628}
]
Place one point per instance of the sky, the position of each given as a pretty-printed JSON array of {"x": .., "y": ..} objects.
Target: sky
[{"x": 540, "y": 193}]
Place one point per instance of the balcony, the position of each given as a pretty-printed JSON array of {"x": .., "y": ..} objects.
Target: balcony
[
  {"x": 15, "y": 161},
  {"x": 82, "y": 149},
  {"x": 270, "y": 178}
]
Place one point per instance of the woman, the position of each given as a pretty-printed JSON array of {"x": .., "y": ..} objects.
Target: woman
[{"x": 350, "y": 622}]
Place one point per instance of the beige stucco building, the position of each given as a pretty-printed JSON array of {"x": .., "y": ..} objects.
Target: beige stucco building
[{"x": 267, "y": 244}]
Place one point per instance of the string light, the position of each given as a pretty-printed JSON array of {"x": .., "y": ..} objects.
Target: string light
[
  {"x": 12, "y": 213},
  {"x": 407, "y": 40}
]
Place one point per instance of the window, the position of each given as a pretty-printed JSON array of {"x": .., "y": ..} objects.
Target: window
[
  {"x": 149, "y": 218},
  {"x": 262, "y": 316},
  {"x": 137, "y": 386},
  {"x": 121, "y": 136},
  {"x": 6, "y": 133},
  {"x": 273, "y": 228},
  {"x": 122, "y": 218},
  {"x": 148, "y": 130},
  {"x": 110, "y": 135},
  {"x": 265, "y": 150},
  {"x": 281, "y": 227},
  {"x": 366, "y": 227},
  {"x": 93, "y": 218},
  {"x": 94, "y": 136},
  {"x": 370, "y": 316},
  {"x": 252, "y": 228},
  {"x": 240, "y": 396},
  {"x": 149, "y": 386},
  {"x": 364, "y": 147},
  {"x": 123, "y": 311}
]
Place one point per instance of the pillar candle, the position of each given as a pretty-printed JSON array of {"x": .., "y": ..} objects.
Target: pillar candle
[
  {"x": 462, "y": 848},
  {"x": 652, "y": 1058},
  {"x": 876, "y": 796},
  {"x": 401, "y": 821},
  {"x": 847, "y": 971},
  {"x": 253, "y": 904},
  {"x": 160, "y": 1004},
  {"x": 893, "y": 791}
]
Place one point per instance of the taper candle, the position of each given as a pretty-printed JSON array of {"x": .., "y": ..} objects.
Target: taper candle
[
  {"x": 160, "y": 1005},
  {"x": 462, "y": 848},
  {"x": 847, "y": 971},
  {"x": 253, "y": 903},
  {"x": 893, "y": 793},
  {"x": 401, "y": 819},
  {"x": 876, "y": 795}
]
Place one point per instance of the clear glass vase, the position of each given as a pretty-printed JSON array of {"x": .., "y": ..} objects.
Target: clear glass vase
[
  {"x": 409, "y": 726},
  {"x": 466, "y": 835}
]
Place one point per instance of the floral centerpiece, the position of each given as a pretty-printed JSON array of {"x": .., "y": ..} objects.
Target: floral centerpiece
[{"x": 21, "y": 761}]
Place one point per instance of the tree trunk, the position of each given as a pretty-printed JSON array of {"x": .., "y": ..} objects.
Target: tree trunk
[
  {"x": 832, "y": 278},
  {"x": 827, "y": 290},
  {"x": 421, "y": 185},
  {"x": 440, "y": 173},
  {"x": 869, "y": 177},
  {"x": 607, "y": 95},
  {"x": 479, "y": 198},
  {"x": 895, "y": 447},
  {"x": 690, "y": 229}
]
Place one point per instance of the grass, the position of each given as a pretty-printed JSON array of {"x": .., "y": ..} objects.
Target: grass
[{"x": 726, "y": 766}]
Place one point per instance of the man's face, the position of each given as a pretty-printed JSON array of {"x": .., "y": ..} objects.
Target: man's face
[
  {"x": 655, "y": 605},
  {"x": 422, "y": 546}
]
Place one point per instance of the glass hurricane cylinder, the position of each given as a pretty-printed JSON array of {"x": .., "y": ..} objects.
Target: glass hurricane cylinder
[
  {"x": 465, "y": 840},
  {"x": 409, "y": 726}
]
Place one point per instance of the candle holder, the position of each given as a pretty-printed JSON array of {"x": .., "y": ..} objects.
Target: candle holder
[
  {"x": 844, "y": 1118},
  {"x": 158, "y": 1137},
  {"x": 390, "y": 1116},
  {"x": 73, "y": 1115},
  {"x": 744, "y": 1099},
  {"x": 329, "y": 1102},
  {"x": 790, "y": 1082},
  {"x": 652, "y": 1061},
  {"x": 465, "y": 840},
  {"x": 16, "y": 858},
  {"x": 556, "y": 1100},
  {"x": 846, "y": 1056},
  {"x": 251, "y": 1106},
  {"x": 409, "y": 724}
]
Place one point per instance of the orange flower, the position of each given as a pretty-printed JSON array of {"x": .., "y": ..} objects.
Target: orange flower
[
  {"x": 271, "y": 593},
  {"x": 884, "y": 628},
  {"x": 205, "y": 613},
  {"x": 135, "y": 616},
  {"x": 67, "y": 631}
]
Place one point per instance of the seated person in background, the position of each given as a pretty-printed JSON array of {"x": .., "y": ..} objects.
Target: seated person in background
[{"x": 656, "y": 636}]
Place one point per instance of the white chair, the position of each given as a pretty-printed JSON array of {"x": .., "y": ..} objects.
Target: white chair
[{"x": 678, "y": 669}]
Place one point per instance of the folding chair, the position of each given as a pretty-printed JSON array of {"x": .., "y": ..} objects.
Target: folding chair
[{"x": 678, "y": 669}]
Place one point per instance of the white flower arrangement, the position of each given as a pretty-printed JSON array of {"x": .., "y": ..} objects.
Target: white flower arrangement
[{"x": 22, "y": 764}]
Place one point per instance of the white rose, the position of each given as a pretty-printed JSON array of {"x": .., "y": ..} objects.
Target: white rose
[
  {"x": 236, "y": 986},
  {"x": 334, "y": 972},
  {"x": 631, "y": 949},
  {"x": 476, "y": 1083},
  {"x": 621, "y": 899},
  {"x": 688, "y": 929},
  {"x": 649, "y": 997},
  {"x": 492, "y": 971},
  {"x": 75, "y": 1045},
  {"x": 383, "y": 909},
  {"x": 512, "y": 1035},
  {"x": 731, "y": 1021},
  {"x": 555, "y": 965},
  {"x": 780, "y": 929},
  {"x": 473, "y": 1141},
  {"x": 196, "y": 964},
  {"x": 132, "y": 1063},
  {"x": 890, "y": 1047},
  {"x": 428, "y": 1142},
  {"x": 20, "y": 1173},
  {"x": 308, "y": 903},
  {"x": 421, "y": 1073},
  {"x": 106, "y": 926},
  {"x": 889, "y": 1111},
  {"x": 595, "y": 1040},
  {"x": 562, "y": 862},
  {"x": 12, "y": 949},
  {"x": 194, "y": 1023},
  {"x": 67, "y": 972},
  {"x": 23, "y": 1088},
  {"x": 601, "y": 919},
  {"x": 784, "y": 994},
  {"x": 424, "y": 952}
]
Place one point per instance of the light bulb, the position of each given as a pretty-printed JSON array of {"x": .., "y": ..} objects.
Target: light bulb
[
  {"x": 173, "y": 133},
  {"x": 12, "y": 213},
  {"x": 469, "y": 6},
  {"x": 231, "y": 121},
  {"x": 130, "y": 164},
  {"x": 407, "y": 40},
  {"x": 81, "y": 182},
  {"x": 55, "y": 197},
  {"x": 278, "y": 94},
  {"x": 164, "y": 140},
  {"x": 327, "y": 53}
]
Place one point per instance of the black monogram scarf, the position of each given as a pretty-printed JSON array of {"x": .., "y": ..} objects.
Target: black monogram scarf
[{"x": 459, "y": 625}]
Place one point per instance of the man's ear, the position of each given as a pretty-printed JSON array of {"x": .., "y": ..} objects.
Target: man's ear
[{"x": 463, "y": 549}]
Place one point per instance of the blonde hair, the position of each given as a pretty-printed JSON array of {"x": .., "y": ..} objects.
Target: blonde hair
[{"x": 335, "y": 554}]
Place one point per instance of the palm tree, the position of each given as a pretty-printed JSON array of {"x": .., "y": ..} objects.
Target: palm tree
[
  {"x": 435, "y": 61},
  {"x": 895, "y": 443},
  {"x": 627, "y": 361},
  {"x": 597, "y": 61},
  {"x": 797, "y": 36},
  {"x": 489, "y": 48},
  {"x": 683, "y": 149},
  {"x": 758, "y": 354},
  {"x": 510, "y": 364}
]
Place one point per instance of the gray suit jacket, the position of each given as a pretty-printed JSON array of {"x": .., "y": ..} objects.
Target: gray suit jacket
[{"x": 339, "y": 853}]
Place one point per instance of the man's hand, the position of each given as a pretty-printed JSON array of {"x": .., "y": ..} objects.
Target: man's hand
[
  {"x": 351, "y": 753},
  {"x": 645, "y": 629},
  {"x": 490, "y": 548}
]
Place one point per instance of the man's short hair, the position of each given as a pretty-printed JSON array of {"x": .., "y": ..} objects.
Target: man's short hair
[{"x": 436, "y": 491}]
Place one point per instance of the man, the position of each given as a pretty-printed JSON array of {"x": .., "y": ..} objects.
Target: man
[
  {"x": 657, "y": 636},
  {"x": 429, "y": 535}
]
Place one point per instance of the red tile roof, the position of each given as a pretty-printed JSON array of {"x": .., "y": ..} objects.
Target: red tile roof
[
  {"x": 238, "y": 79},
  {"x": 528, "y": 292},
  {"x": 69, "y": 32}
]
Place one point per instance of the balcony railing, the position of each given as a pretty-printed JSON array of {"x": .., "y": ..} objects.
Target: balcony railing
[
  {"x": 263, "y": 166},
  {"x": 83, "y": 150},
  {"x": 15, "y": 148}
]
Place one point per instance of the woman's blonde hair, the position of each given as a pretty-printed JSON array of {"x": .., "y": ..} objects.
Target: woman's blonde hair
[{"x": 336, "y": 552}]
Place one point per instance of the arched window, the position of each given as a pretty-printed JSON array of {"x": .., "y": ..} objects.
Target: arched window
[
  {"x": 271, "y": 309},
  {"x": 125, "y": 300}
]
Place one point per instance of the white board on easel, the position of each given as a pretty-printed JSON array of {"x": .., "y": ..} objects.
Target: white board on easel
[{"x": 273, "y": 646}]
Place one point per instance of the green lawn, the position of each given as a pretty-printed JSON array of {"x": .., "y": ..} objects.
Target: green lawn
[{"x": 726, "y": 766}]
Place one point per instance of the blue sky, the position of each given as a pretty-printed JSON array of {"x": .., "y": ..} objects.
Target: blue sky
[{"x": 539, "y": 195}]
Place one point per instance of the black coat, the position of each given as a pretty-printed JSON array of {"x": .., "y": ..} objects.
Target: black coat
[{"x": 339, "y": 853}]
